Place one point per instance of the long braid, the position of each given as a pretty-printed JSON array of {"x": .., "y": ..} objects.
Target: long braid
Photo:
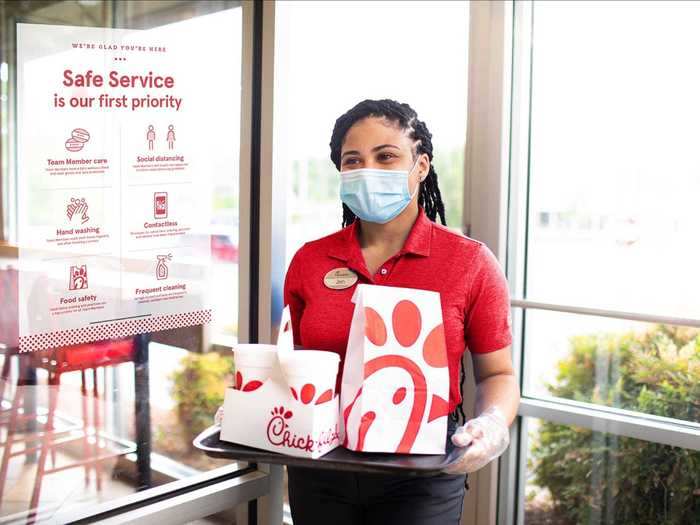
[
  {"x": 348, "y": 215},
  {"x": 405, "y": 117},
  {"x": 429, "y": 198}
]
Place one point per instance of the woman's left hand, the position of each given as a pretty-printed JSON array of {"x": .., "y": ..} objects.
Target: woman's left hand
[
  {"x": 486, "y": 437},
  {"x": 219, "y": 416}
]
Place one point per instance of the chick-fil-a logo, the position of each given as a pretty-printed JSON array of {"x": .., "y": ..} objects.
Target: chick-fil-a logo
[{"x": 278, "y": 433}]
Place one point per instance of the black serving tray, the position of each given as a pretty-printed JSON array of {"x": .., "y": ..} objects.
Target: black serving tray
[{"x": 337, "y": 459}]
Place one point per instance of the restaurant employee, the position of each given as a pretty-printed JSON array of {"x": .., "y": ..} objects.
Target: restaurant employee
[{"x": 390, "y": 199}]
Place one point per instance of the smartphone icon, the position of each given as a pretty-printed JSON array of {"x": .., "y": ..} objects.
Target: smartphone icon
[{"x": 160, "y": 205}]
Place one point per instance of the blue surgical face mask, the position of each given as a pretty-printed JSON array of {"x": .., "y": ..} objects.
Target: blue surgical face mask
[{"x": 376, "y": 195}]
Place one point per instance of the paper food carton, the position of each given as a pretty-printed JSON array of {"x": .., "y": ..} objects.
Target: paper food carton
[
  {"x": 297, "y": 419},
  {"x": 395, "y": 383}
]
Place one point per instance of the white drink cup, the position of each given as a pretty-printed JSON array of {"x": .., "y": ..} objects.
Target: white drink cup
[
  {"x": 254, "y": 363},
  {"x": 311, "y": 374}
]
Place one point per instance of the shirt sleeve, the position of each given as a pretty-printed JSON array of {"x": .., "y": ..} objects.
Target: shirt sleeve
[
  {"x": 293, "y": 295},
  {"x": 488, "y": 318}
]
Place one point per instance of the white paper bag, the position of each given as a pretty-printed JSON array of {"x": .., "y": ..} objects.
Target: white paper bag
[{"x": 395, "y": 382}]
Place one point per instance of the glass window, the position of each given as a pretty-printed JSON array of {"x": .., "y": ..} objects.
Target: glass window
[
  {"x": 609, "y": 224},
  {"x": 601, "y": 227},
  {"x": 127, "y": 422},
  {"x": 331, "y": 55},
  {"x": 576, "y": 475},
  {"x": 644, "y": 367},
  {"x": 613, "y": 160}
]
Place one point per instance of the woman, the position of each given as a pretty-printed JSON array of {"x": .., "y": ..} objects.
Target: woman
[{"x": 391, "y": 199}]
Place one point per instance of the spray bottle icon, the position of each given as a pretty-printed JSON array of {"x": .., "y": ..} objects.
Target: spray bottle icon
[{"x": 162, "y": 267}]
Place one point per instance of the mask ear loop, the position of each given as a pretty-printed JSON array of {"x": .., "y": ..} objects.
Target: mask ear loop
[{"x": 419, "y": 180}]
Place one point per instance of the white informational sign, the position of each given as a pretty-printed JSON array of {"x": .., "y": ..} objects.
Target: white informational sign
[{"x": 114, "y": 184}]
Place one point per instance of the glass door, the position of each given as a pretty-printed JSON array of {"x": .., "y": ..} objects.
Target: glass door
[{"x": 143, "y": 188}]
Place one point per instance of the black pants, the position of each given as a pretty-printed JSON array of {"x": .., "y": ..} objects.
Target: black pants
[{"x": 322, "y": 496}]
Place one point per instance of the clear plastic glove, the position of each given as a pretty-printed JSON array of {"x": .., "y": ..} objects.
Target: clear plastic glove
[
  {"x": 485, "y": 436},
  {"x": 219, "y": 416}
]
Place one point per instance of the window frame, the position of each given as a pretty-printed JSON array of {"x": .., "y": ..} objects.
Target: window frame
[{"x": 517, "y": 75}]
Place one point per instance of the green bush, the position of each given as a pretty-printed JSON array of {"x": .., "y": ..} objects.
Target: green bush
[
  {"x": 598, "y": 477},
  {"x": 198, "y": 389}
]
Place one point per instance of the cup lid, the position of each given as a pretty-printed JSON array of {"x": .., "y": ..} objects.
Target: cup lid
[
  {"x": 254, "y": 355},
  {"x": 310, "y": 362}
]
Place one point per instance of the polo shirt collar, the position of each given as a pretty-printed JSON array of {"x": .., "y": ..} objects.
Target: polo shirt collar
[{"x": 347, "y": 247}]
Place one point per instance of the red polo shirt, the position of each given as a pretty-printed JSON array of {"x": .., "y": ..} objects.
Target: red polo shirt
[{"x": 473, "y": 290}]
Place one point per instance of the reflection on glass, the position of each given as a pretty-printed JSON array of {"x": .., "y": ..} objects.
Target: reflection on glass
[
  {"x": 319, "y": 41},
  {"x": 88, "y": 424},
  {"x": 578, "y": 476},
  {"x": 92, "y": 422},
  {"x": 654, "y": 369},
  {"x": 614, "y": 159}
]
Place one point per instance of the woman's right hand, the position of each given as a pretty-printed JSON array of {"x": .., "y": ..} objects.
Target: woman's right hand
[{"x": 219, "y": 416}]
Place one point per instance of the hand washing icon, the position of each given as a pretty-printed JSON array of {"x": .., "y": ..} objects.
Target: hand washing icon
[{"x": 77, "y": 210}]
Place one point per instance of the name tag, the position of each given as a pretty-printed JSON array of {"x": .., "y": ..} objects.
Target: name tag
[{"x": 340, "y": 278}]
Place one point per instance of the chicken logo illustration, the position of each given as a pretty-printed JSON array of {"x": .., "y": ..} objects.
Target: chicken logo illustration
[
  {"x": 278, "y": 422},
  {"x": 280, "y": 434},
  {"x": 395, "y": 381}
]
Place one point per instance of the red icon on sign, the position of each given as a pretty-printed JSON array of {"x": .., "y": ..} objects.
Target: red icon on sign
[
  {"x": 77, "y": 209},
  {"x": 160, "y": 205},
  {"x": 171, "y": 136},
  {"x": 77, "y": 140},
  {"x": 162, "y": 267},
  {"x": 150, "y": 136},
  {"x": 78, "y": 278}
]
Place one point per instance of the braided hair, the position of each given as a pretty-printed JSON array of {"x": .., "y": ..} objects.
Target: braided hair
[
  {"x": 429, "y": 197},
  {"x": 406, "y": 118}
]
